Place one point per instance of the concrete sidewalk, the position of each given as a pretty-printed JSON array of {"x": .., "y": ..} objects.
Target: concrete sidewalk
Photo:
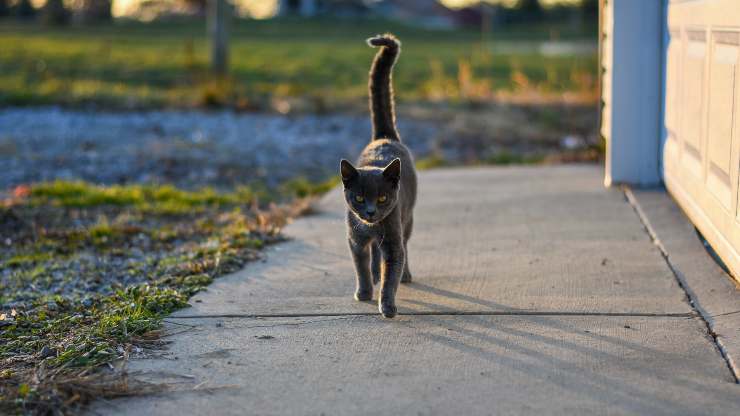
[{"x": 536, "y": 290}]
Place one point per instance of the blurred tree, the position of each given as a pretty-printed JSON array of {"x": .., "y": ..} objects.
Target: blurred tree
[
  {"x": 4, "y": 8},
  {"x": 92, "y": 11},
  {"x": 25, "y": 10},
  {"x": 54, "y": 13}
]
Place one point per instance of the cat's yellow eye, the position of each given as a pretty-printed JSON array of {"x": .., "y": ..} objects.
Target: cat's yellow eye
[
  {"x": 359, "y": 198},
  {"x": 382, "y": 199}
]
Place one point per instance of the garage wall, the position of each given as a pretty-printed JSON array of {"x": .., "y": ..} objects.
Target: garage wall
[{"x": 632, "y": 90}]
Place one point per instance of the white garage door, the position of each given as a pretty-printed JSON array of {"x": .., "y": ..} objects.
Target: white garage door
[{"x": 702, "y": 150}]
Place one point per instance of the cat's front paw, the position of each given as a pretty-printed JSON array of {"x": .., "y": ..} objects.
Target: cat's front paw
[
  {"x": 363, "y": 295},
  {"x": 387, "y": 310},
  {"x": 406, "y": 278}
]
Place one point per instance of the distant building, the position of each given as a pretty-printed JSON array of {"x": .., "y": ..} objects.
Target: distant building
[
  {"x": 305, "y": 8},
  {"x": 311, "y": 8},
  {"x": 469, "y": 16},
  {"x": 426, "y": 13}
]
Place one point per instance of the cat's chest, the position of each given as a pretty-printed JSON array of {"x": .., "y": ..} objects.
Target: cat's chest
[{"x": 375, "y": 230}]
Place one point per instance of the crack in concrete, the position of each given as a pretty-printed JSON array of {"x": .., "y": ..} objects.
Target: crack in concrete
[
  {"x": 690, "y": 295},
  {"x": 297, "y": 323},
  {"x": 724, "y": 314},
  {"x": 448, "y": 313}
]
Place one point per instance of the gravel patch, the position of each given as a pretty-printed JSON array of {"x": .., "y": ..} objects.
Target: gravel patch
[{"x": 184, "y": 148}]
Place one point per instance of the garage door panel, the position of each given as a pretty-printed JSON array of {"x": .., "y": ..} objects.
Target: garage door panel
[
  {"x": 673, "y": 75},
  {"x": 720, "y": 123},
  {"x": 702, "y": 149},
  {"x": 693, "y": 100}
]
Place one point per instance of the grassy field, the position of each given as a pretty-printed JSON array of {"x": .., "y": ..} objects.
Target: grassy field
[{"x": 165, "y": 64}]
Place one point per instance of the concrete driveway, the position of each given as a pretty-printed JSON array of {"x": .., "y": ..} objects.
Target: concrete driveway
[{"x": 536, "y": 290}]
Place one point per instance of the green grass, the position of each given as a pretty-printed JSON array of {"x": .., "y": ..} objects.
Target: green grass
[
  {"x": 26, "y": 258},
  {"x": 164, "y": 199},
  {"x": 302, "y": 187},
  {"x": 94, "y": 269},
  {"x": 431, "y": 162},
  {"x": 165, "y": 64},
  {"x": 501, "y": 158},
  {"x": 508, "y": 158}
]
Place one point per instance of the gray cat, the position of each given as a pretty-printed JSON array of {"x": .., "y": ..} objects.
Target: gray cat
[{"x": 381, "y": 191}]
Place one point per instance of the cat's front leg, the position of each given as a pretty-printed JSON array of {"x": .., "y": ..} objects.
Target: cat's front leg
[
  {"x": 376, "y": 259},
  {"x": 394, "y": 258},
  {"x": 361, "y": 257}
]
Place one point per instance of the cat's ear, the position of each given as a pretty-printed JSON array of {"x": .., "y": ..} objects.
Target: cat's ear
[
  {"x": 392, "y": 172},
  {"x": 348, "y": 171}
]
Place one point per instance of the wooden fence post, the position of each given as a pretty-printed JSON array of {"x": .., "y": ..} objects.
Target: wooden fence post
[{"x": 218, "y": 20}]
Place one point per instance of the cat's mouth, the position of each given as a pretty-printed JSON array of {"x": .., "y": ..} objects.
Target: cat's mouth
[{"x": 367, "y": 219}]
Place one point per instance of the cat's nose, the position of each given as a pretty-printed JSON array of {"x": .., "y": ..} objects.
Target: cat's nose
[{"x": 370, "y": 212}]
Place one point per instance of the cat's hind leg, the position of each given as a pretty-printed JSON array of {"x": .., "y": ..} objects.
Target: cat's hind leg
[
  {"x": 376, "y": 261},
  {"x": 406, "y": 277}
]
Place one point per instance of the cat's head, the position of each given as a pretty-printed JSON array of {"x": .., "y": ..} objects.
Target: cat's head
[{"x": 371, "y": 193}]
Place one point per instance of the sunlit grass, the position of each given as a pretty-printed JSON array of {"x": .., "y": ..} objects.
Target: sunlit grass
[
  {"x": 166, "y": 64},
  {"x": 164, "y": 199}
]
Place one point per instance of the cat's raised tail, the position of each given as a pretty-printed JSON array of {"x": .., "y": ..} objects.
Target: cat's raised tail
[{"x": 382, "y": 106}]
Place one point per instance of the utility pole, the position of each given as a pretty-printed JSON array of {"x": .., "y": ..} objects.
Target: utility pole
[{"x": 218, "y": 20}]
